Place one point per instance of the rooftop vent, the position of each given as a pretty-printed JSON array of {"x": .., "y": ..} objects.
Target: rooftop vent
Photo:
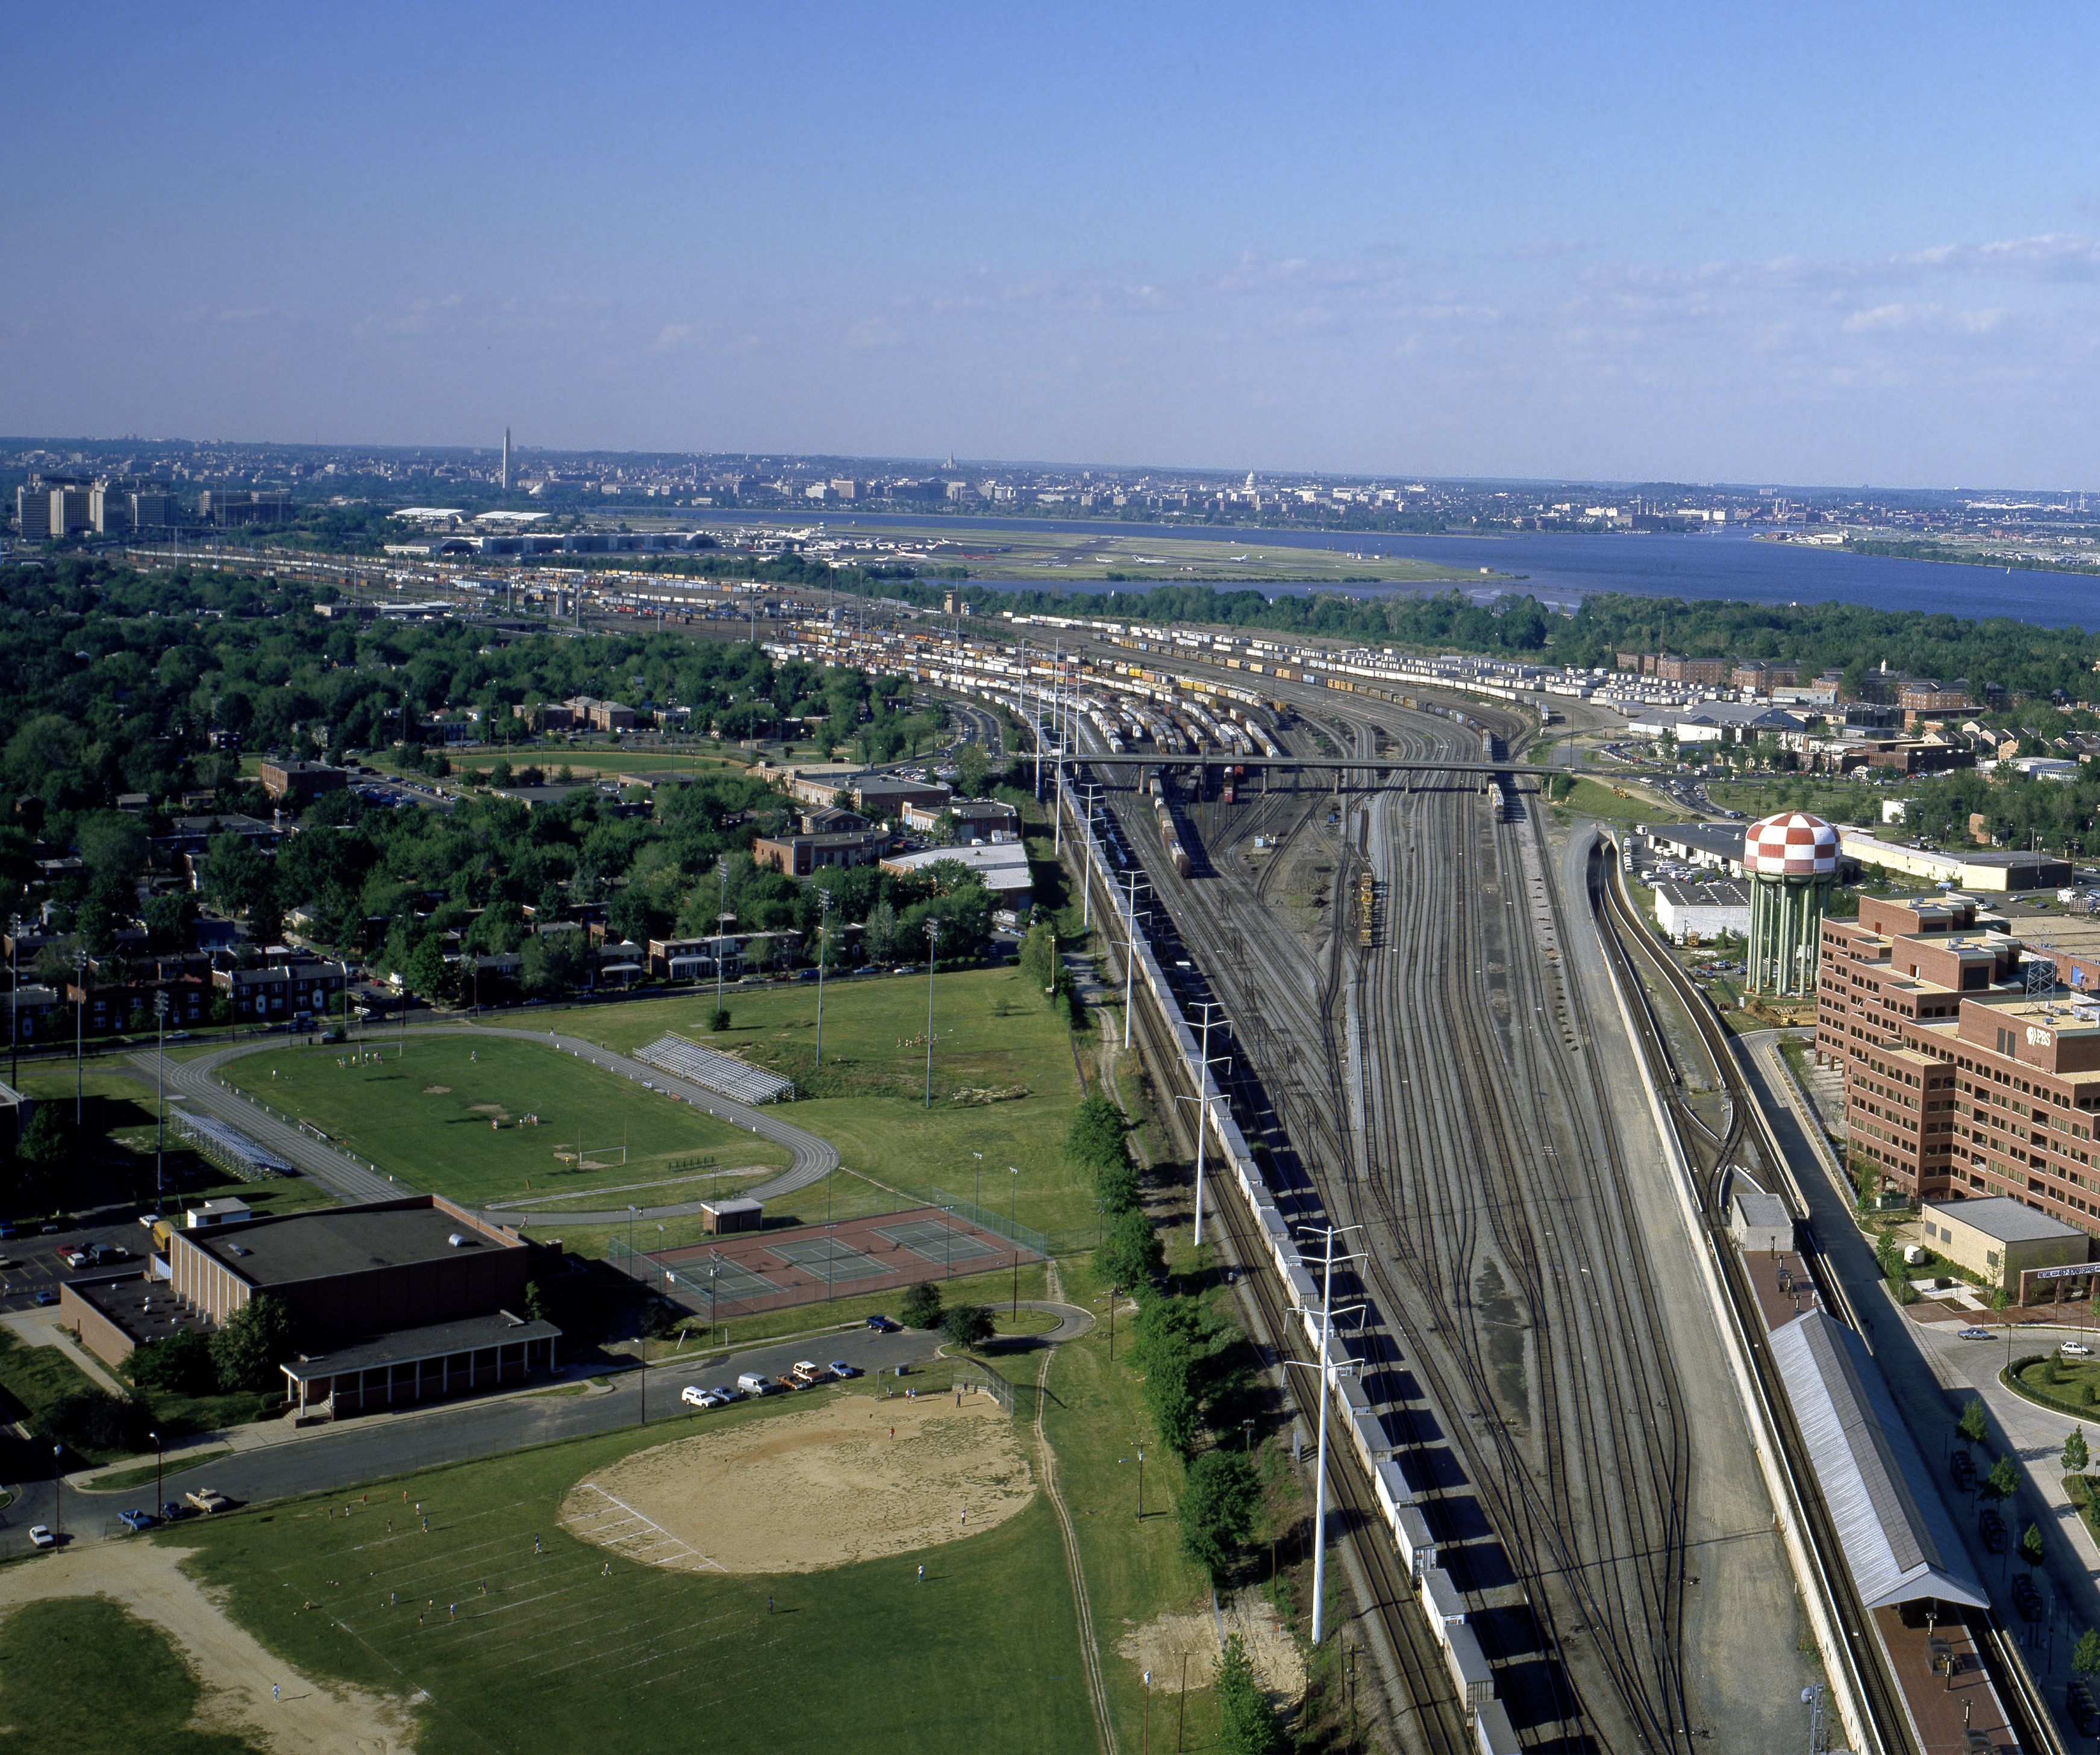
[{"x": 457, "y": 1240}]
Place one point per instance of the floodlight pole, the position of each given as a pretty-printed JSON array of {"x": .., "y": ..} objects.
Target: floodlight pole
[
  {"x": 1320, "y": 1466},
  {"x": 933, "y": 957},
  {"x": 159, "y": 1099},
  {"x": 79, "y": 1032},
  {"x": 721, "y": 913},
  {"x": 1013, "y": 1219},
  {"x": 823, "y": 942}
]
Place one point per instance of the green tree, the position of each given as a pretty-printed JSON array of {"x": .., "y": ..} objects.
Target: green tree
[
  {"x": 181, "y": 1362},
  {"x": 251, "y": 1343},
  {"x": 965, "y": 1325},
  {"x": 2076, "y": 1455},
  {"x": 1973, "y": 1424},
  {"x": 1219, "y": 1500},
  {"x": 2085, "y": 1654},
  {"x": 1249, "y": 1723},
  {"x": 2031, "y": 1544},
  {"x": 1117, "y": 1188},
  {"x": 972, "y": 769},
  {"x": 718, "y": 1018},
  {"x": 423, "y": 971},
  {"x": 1133, "y": 1254},
  {"x": 47, "y": 1140},
  {"x": 921, "y": 1309},
  {"x": 1095, "y": 1139},
  {"x": 2004, "y": 1479},
  {"x": 92, "y": 1419},
  {"x": 1040, "y": 965}
]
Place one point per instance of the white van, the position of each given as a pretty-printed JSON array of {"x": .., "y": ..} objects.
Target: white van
[{"x": 757, "y": 1383}]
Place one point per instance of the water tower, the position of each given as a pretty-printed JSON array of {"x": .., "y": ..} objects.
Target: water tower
[{"x": 1791, "y": 862}]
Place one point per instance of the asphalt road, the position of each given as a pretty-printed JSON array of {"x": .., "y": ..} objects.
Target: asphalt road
[{"x": 361, "y": 1451}]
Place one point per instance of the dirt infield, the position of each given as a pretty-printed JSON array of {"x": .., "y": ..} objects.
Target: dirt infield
[
  {"x": 236, "y": 1673},
  {"x": 802, "y": 1491},
  {"x": 1161, "y": 1646}
]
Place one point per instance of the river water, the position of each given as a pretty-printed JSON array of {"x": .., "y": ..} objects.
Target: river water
[{"x": 1561, "y": 568}]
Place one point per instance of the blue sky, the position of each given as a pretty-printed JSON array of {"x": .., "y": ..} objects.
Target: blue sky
[{"x": 1795, "y": 245}]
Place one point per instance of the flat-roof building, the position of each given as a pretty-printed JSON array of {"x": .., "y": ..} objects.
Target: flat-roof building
[
  {"x": 2001, "y": 1239},
  {"x": 346, "y": 1271}
]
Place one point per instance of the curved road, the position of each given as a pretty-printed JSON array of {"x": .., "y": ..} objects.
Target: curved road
[{"x": 195, "y": 1081}]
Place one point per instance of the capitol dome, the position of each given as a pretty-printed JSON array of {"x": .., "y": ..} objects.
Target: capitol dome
[{"x": 1792, "y": 844}]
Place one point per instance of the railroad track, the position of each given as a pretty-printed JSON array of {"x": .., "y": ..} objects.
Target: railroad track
[{"x": 1584, "y": 1490}]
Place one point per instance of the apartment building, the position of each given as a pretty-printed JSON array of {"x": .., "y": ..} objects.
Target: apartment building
[{"x": 1961, "y": 1081}]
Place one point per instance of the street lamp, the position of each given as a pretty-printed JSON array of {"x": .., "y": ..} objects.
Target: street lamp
[
  {"x": 723, "y": 918},
  {"x": 157, "y": 1501},
  {"x": 58, "y": 1495},
  {"x": 933, "y": 957}
]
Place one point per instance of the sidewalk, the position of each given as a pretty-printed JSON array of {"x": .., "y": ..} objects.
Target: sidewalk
[{"x": 40, "y": 1328}]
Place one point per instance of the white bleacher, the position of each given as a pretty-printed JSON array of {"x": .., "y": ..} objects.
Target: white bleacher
[{"x": 718, "y": 1072}]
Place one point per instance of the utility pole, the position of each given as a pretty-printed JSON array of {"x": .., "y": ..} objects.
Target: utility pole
[
  {"x": 933, "y": 957},
  {"x": 1211, "y": 1009},
  {"x": 1087, "y": 890},
  {"x": 1130, "y": 881},
  {"x": 1320, "y": 1467},
  {"x": 1057, "y": 769}
]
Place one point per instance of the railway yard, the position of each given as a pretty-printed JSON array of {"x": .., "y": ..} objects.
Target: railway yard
[{"x": 1559, "y": 1526}]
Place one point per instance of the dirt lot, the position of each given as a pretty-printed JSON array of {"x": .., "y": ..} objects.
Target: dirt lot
[
  {"x": 236, "y": 1673},
  {"x": 1160, "y": 1646},
  {"x": 822, "y": 1486}
]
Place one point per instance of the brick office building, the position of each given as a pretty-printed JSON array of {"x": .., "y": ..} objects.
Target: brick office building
[{"x": 1958, "y": 1082}]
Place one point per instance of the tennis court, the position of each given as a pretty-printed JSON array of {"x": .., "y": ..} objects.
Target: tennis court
[
  {"x": 806, "y": 1264},
  {"x": 935, "y": 1239},
  {"x": 826, "y": 1256},
  {"x": 731, "y": 1281}
]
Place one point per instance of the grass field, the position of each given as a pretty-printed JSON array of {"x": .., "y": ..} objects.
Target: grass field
[
  {"x": 1052, "y": 556},
  {"x": 1589, "y": 798},
  {"x": 117, "y": 1124},
  {"x": 1834, "y": 801},
  {"x": 1004, "y": 1084},
  {"x": 570, "y": 1650},
  {"x": 425, "y": 1119},
  {"x": 80, "y": 1677}
]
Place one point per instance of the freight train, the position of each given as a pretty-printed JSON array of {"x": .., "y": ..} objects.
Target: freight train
[{"x": 1401, "y": 1514}]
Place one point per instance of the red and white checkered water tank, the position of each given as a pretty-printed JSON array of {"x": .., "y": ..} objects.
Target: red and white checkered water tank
[{"x": 1792, "y": 844}]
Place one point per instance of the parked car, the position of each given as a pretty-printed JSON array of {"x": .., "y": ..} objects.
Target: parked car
[
  {"x": 2076, "y": 1350},
  {"x": 806, "y": 1372},
  {"x": 757, "y": 1383},
  {"x": 1978, "y": 1334},
  {"x": 842, "y": 1370},
  {"x": 174, "y": 1511},
  {"x": 73, "y": 1258},
  {"x": 883, "y": 1324},
  {"x": 2025, "y": 1598},
  {"x": 1993, "y": 1527},
  {"x": 137, "y": 1519},
  {"x": 694, "y": 1396},
  {"x": 207, "y": 1499},
  {"x": 40, "y": 1536},
  {"x": 47, "y": 1296}
]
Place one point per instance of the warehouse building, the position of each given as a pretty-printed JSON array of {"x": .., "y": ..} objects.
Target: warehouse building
[
  {"x": 2000, "y": 1240},
  {"x": 1689, "y": 911}
]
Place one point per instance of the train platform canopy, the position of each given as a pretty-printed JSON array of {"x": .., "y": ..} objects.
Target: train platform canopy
[{"x": 1900, "y": 1545}]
